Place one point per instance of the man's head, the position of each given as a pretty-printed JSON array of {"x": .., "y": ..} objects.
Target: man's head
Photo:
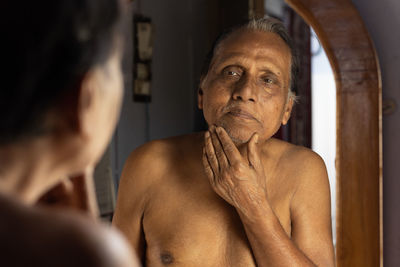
[
  {"x": 264, "y": 25},
  {"x": 62, "y": 68},
  {"x": 246, "y": 84}
]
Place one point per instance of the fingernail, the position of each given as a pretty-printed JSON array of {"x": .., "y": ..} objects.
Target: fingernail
[
  {"x": 256, "y": 138},
  {"x": 207, "y": 134}
]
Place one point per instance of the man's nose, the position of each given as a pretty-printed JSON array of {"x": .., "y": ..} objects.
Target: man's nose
[{"x": 245, "y": 90}]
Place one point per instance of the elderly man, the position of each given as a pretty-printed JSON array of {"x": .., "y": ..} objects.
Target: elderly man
[{"x": 232, "y": 196}]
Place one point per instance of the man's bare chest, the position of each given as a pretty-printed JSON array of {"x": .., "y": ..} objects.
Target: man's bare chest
[{"x": 186, "y": 221}]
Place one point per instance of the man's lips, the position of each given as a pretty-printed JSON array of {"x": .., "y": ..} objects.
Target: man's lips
[{"x": 241, "y": 114}]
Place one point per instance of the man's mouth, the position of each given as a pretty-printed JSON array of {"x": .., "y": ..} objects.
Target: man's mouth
[{"x": 241, "y": 114}]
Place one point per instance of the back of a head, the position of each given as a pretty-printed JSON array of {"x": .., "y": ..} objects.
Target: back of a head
[{"x": 48, "y": 47}]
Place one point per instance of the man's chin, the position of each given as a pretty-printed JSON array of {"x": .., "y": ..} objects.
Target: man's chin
[{"x": 239, "y": 137}]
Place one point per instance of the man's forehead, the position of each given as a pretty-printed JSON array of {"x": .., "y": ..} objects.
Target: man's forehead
[
  {"x": 262, "y": 47},
  {"x": 235, "y": 44},
  {"x": 239, "y": 57}
]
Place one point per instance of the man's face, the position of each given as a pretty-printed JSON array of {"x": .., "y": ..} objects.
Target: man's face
[{"x": 246, "y": 88}]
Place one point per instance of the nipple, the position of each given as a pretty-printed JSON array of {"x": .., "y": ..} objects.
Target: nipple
[{"x": 166, "y": 258}]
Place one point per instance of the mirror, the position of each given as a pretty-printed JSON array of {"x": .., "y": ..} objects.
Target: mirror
[{"x": 179, "y": 49}]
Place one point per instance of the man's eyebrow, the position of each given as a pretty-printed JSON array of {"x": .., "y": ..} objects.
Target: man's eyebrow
[
  {"x": 230, "y": 56},
  {"x": 269, "y": 71}
]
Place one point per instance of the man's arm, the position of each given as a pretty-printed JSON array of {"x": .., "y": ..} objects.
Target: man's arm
[
  {"x": 242, "y": 183},
  {"x": 133, "y": 193}
]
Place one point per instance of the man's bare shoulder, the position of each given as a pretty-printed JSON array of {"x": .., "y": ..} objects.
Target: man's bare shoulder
[
  {"x": 306, "y": 172},
  {"x": 297, "y": 157},
  {"x": 298, "y": 162},
  {"x": 155, "y": 157},
  {"x": 36, "y": 236},
  {"x": 156, "y": 161}
]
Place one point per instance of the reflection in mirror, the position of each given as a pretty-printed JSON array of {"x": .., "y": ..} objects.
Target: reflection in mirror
[
  {"x": 165, "y": 118},
  {"x": 316, "y": 91}
]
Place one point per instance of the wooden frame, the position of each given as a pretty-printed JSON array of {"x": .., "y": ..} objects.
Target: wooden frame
[{"x": 359, "y": 128}]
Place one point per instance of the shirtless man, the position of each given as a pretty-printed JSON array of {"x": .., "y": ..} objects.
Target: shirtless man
[{"x": 232, "y": 196}]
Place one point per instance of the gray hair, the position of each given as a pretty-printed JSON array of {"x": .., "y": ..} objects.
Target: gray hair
[{"x": 264, "y": 25}]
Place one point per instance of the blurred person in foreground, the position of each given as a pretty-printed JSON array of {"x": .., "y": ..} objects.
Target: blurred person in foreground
[{"x": 59, "y": 103}]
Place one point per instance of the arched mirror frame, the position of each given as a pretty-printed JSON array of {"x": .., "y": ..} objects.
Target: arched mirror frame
[{"x": 351, "y": 53}]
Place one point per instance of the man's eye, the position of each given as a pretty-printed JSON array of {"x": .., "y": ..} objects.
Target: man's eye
[
  {"x": 232, "y": 72},
  {"x": 268, "y": 81}
]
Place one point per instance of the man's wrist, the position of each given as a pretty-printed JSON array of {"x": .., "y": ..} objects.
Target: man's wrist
[{"x": 256, "y": 212}]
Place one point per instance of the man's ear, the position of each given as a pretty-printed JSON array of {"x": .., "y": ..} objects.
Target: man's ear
[
  {"x": 200, "y": 92},
  {"x": 74, "y": 107},
  {"x": 200, "y": 98},
  {"x": 287, "y": 111},
  {"x": 86, "y": 102}
]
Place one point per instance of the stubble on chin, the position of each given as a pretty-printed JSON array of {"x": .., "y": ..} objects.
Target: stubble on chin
[{"x": 235, "y": 135}]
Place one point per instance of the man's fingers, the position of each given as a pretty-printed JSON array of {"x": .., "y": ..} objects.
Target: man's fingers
[
  {"x": 252, "y": 153},
  {"x": 210, "y": 153},
  {"x": 231, "y": 152},
  {"x": 207, "y": 168},
  {"x": 219, "y": 151}
]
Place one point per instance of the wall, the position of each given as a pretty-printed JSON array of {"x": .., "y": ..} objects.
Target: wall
[{"x": 383, "y": 21}]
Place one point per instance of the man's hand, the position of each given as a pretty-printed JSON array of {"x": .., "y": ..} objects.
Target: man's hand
[{"x": 238, "y": 179}]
